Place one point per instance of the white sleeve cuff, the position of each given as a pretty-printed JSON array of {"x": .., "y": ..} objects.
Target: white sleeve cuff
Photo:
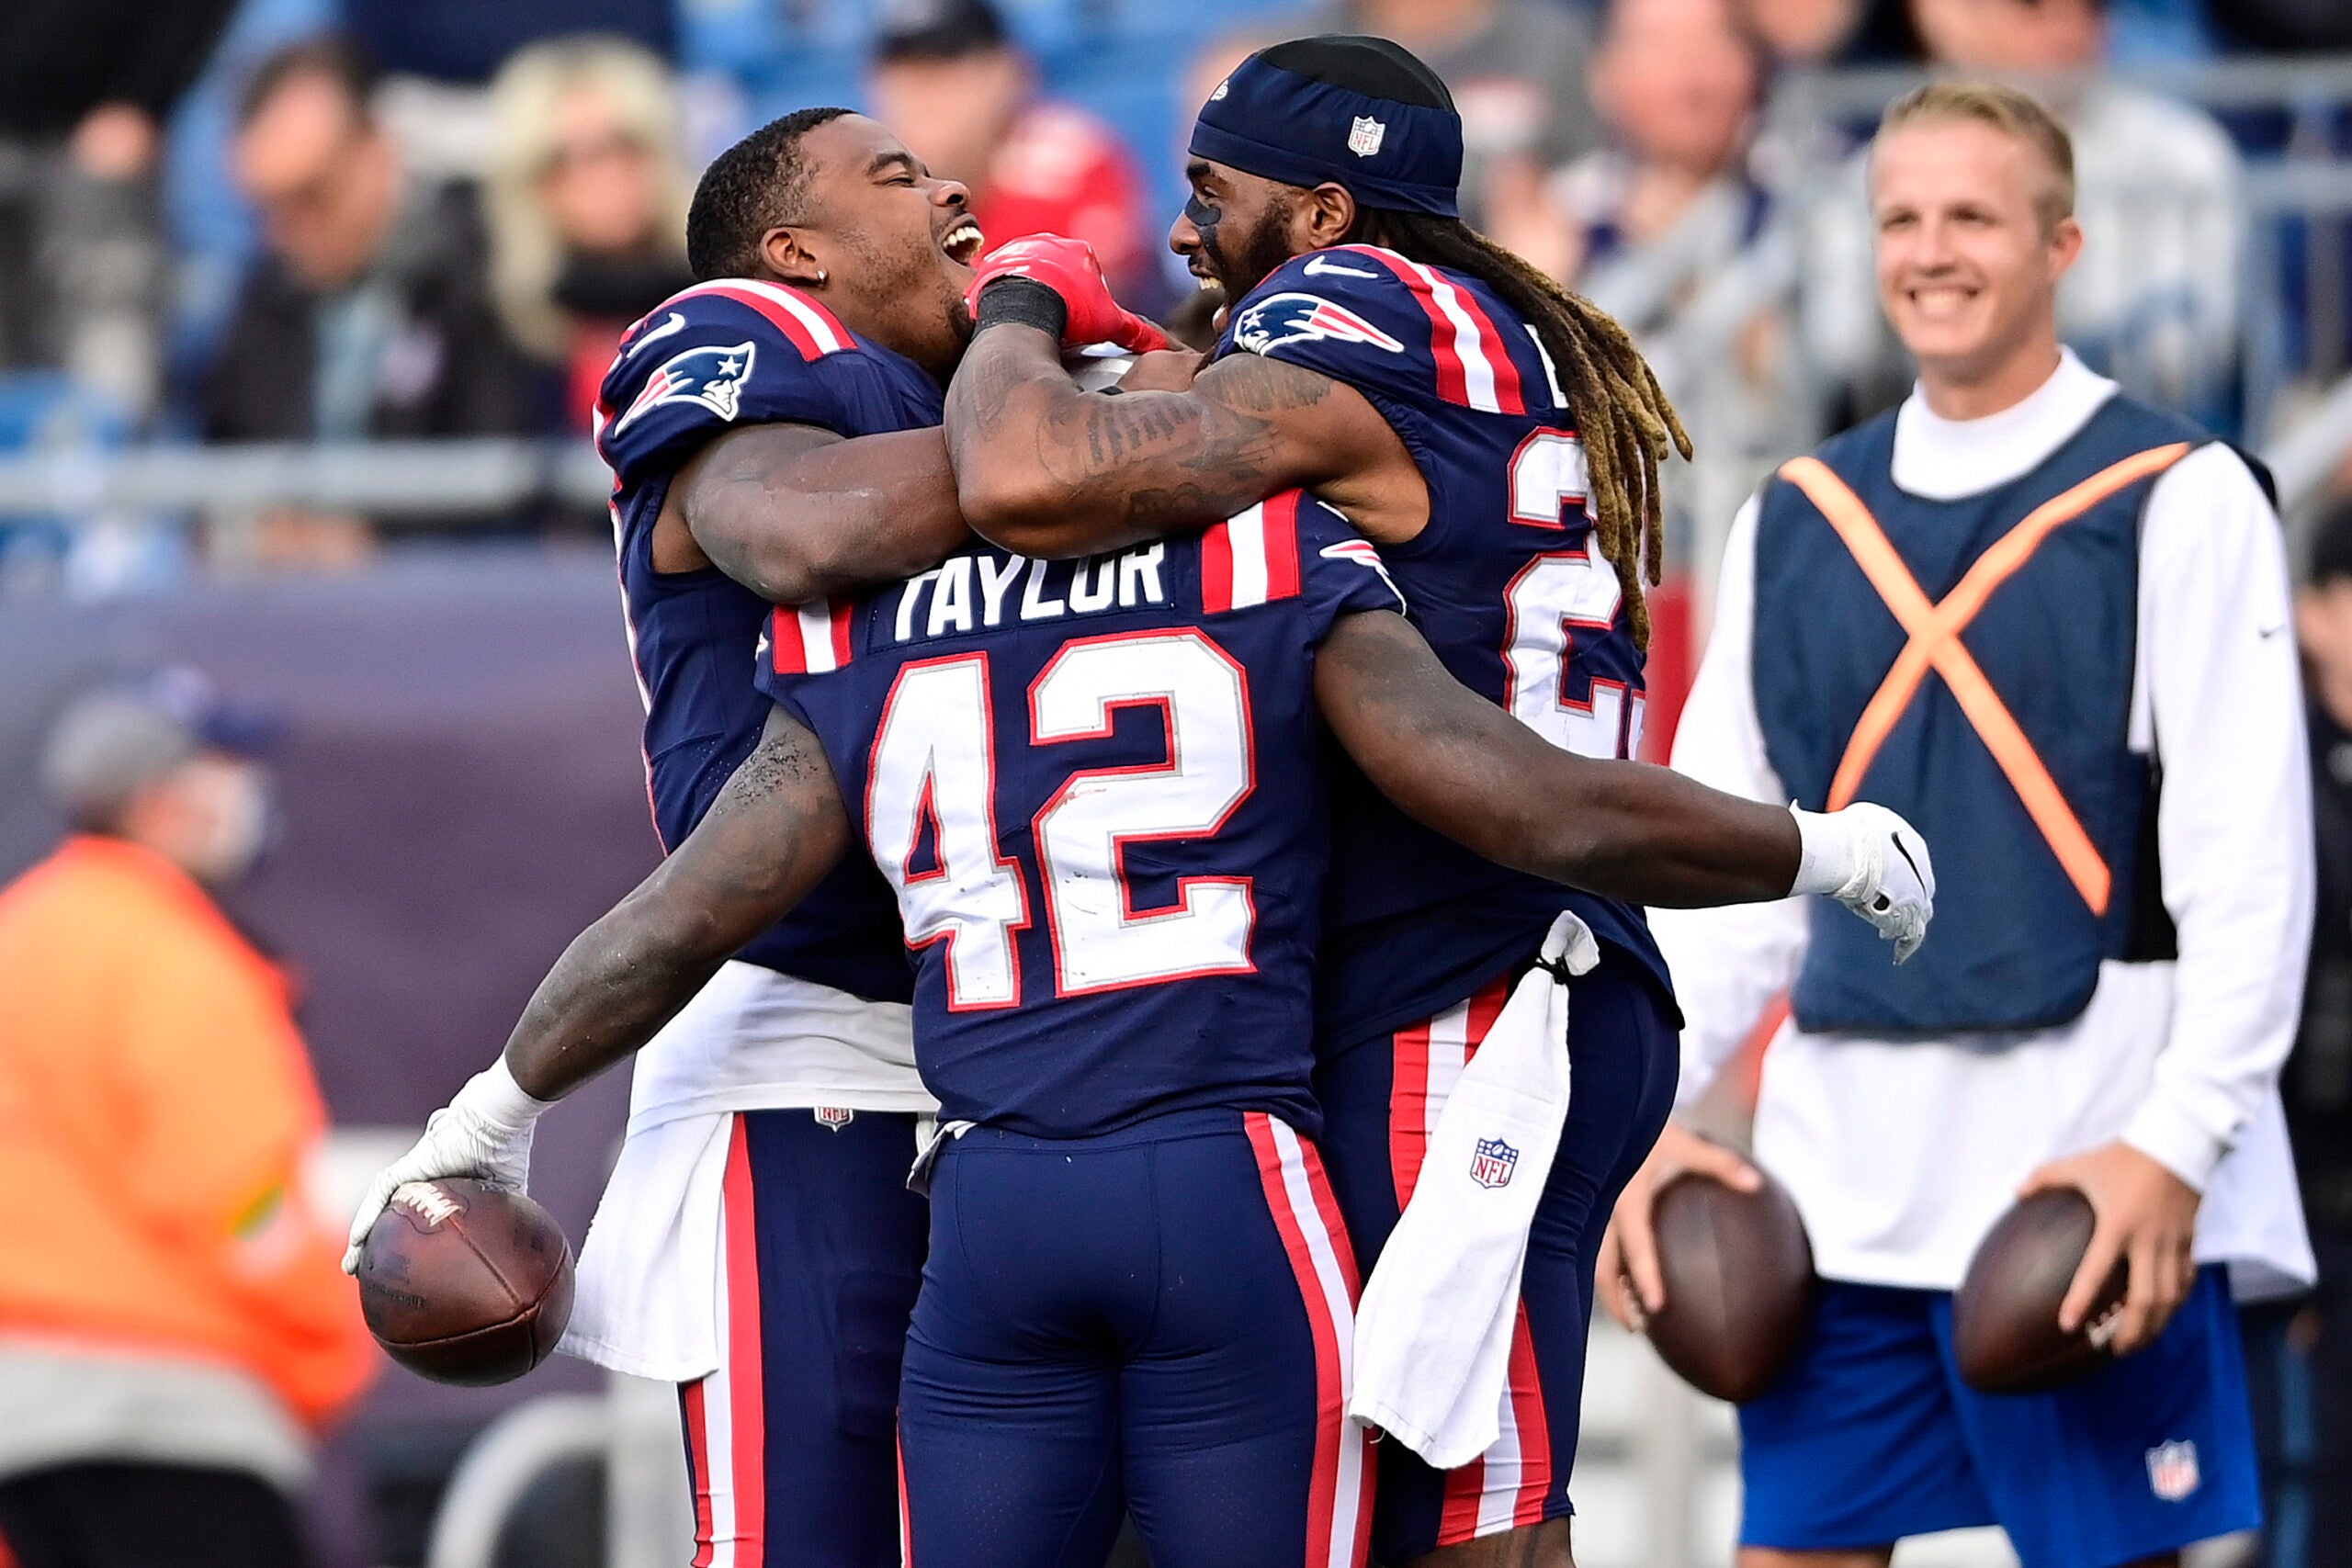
[
  {"x": 494, "y": 1095},
  {"x": 1826, "y": 853},
  {"x": 2174, "y": 1139}
]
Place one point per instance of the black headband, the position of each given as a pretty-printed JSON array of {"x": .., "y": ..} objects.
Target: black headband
[{"x": 1279, "y": 125}]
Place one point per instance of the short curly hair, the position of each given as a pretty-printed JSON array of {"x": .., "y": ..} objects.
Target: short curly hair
[{"x": 754, "y": 186}]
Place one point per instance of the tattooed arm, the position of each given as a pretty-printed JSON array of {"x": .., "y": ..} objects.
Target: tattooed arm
[
  {"x": 774, "y": 832},
  {"x": 1046, "y": 469},
  {"x": 1463, "y": 766},
  {"x": 793, "y": 511}
]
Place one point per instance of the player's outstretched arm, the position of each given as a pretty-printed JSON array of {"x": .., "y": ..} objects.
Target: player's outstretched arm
[
  {"x": 774, "y": 832},
  {"x": 795, "y": 512},
  {"x": 1626, "y": 830}
]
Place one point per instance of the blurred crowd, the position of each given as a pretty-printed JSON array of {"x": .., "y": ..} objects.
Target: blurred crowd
[{"x": 242, "y": 221}]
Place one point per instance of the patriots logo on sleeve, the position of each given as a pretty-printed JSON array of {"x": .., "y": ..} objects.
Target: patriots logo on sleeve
[
  {"x": 1278, "y": 318},
  {"x": 712, "y": 377},
  {"x": 1363, "y": 553}
]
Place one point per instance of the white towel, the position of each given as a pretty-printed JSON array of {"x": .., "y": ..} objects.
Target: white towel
[
  {"x": 646, "y": 1289},
  {"x": 1432, "y": 1341}
]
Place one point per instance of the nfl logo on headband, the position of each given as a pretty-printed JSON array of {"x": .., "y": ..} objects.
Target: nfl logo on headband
[{"x": 1282, "y": 125}]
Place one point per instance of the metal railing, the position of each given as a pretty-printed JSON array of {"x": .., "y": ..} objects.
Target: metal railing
[{"x": 391, "y": 479}]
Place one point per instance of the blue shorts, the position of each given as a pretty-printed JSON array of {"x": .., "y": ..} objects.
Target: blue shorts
[
  {"x": 1380, "y": 1101},
  {"x": 789, "y": 1443},
  {"x": 1159, "y": 1317},
  {"x": 1871, "y": 1437}
]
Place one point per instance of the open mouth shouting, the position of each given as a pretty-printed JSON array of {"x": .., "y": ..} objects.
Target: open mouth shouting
[{"x": 962, "y": 242}]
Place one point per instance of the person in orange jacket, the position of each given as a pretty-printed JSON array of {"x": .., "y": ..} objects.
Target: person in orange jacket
[{"x": 174, "y": 1326}]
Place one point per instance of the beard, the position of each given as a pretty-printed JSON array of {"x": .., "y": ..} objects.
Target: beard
[
  {"x": 1245, "y": 260},
  {"x": 923, "y": 300}
]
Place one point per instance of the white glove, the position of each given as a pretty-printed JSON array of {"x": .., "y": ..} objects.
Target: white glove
[
  {"x": 1875, "y": 863},
  {"x": 485, "y": 1131}
]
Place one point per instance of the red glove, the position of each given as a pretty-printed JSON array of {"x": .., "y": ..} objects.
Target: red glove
[{"x": 1069, "y": 268}]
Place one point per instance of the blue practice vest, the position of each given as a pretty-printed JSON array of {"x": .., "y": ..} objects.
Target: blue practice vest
[{"x": 2010, "y": 751}]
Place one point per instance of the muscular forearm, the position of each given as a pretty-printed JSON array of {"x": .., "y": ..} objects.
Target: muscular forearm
[
  {"x": 1046, "y": 469},
  {"x": 618, "y": 983},
  {"x": 795, "y": 514},
  {"x": 1628, "y": 831},
  {"x": 1473, "y": 773},
  {"x": 775, "y": 832},
  {"x": 1647, "y": 835}
]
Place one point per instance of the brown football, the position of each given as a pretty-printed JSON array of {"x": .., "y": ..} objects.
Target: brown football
[
  {"x": 2005, "y": 1331},
  {"x": 1739, "y": 1284},
  {"x": 464, "y": 1282}
]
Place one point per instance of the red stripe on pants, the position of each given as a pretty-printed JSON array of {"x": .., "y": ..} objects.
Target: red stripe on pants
[
  {"x": 748, "y": 1406},
  {"x": 1333, "y": 1539},
  {"x": 1409, "y": 1100},
  {"x": 698, "y": 1446},
  {"x": 1534, "y": 1426}
]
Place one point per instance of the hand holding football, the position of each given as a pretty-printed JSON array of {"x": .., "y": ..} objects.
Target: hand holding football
[{"x": 464, "y": 1282}]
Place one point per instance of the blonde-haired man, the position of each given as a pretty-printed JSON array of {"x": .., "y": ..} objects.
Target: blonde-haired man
[{"x": 2047, "y": 623}]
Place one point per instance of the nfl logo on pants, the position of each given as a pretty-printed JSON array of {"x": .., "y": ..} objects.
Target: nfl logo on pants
[
  {"x": 1493, "y": 1163},
  {"x": 2172, "y": 1470}
]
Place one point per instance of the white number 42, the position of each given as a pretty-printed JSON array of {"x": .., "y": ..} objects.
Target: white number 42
[{"x": 933, "y": 770}]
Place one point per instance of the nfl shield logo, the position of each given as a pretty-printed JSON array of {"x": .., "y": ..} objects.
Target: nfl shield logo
[
  {"x": 2172, "y": 1470},
  {"x": 835, "y": 1117},
  {"x": 1493, "y": 1163},
  {"x": 1364, "y": 136}
]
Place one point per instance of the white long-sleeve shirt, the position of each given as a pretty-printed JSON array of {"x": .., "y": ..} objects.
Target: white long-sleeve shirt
[{"x": 1901, "y": 1154}]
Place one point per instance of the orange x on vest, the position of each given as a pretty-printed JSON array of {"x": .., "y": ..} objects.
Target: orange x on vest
[{"x": 1933, "y": 631}]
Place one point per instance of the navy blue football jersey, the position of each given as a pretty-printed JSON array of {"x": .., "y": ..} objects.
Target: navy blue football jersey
[
  {"x": 723, "y": 354},
  {"x": 1506, "y": 582},
  {"x": 1096, "y": 787}
]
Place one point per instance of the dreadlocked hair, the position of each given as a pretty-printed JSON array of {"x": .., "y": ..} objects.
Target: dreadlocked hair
[
  {"x": 1624, "y": 416},
  {"x": 1621, "y": 412}
]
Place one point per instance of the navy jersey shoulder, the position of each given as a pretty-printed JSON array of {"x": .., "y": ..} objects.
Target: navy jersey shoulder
[
  {"x": 722, "y": 355},
  {"x": 1095, "y": 787},
  {"x": 1402, "y": 334},
  {"x": 739, "y": 352},
  {"x": 1505, "y": 581}
]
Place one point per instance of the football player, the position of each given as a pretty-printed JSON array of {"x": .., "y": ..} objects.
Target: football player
[
  {"x": 756, "y": 1245},
  {"x": 1497, "y": 439},
  {"x": 1095, "y": 787}
]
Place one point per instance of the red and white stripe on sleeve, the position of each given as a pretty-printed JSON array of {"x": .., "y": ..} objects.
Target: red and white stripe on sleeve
[
  {"x": 812, "y": 329},
  {"x": 1473, "y": 363},
  {"x": 811, "y": 638},
  {"x": 1251, "y": 557}
]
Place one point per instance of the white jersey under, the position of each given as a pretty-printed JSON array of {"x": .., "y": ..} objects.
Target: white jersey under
[{"x": 758, "y": 1039}]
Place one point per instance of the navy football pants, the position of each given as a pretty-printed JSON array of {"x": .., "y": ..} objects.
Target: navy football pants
[
  {"x": 1380, "y": 1101},
  {"x": 1160, "y": 1317},
  {"x": 789, "y": 1443}
]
